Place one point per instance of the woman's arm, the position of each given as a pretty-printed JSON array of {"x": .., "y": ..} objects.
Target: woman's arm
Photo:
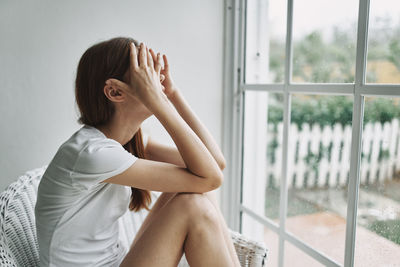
[
  {"x": 197, "y": 126},
  {"x": 159, "y": 152},
  {"x": 201, "y": 172},
  {"x": 167, "y": 154}
]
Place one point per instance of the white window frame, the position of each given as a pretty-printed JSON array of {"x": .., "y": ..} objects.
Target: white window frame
[{"x": 234, "y": 90}]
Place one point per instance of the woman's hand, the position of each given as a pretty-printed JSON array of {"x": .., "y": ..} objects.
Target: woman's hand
[
  {"x": 168, "y": 84},
  {"x": 144, "y": 76}
]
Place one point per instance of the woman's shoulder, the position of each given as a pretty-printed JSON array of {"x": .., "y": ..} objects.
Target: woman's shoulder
[
  {"x": 94, "y": 151},
  {"x": 88, "y": 156},
  {"x": 87, "y": 138},
  {"x": 84, "y": 142}
]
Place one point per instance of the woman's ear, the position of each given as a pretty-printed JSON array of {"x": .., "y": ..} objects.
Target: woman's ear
[{"x": 114, "y": 94}]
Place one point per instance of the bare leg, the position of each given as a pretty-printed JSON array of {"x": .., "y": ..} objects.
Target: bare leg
[
  {"x": 161, "y": 201},
  {"x": 187, "y": 222},
  {"x": 165, "y": 197},
  {"x": 227, "y": 237}
]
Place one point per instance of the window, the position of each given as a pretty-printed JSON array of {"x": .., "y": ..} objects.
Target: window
[{"x": 312, "y": 129}]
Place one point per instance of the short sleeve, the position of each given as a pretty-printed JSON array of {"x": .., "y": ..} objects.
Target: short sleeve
[{"x": 100, "y": 160}]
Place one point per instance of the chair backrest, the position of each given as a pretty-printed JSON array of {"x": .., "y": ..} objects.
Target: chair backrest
[{"x": 18, "y": 241}]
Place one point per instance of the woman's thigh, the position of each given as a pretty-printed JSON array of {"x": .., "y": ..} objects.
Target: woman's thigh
[
  {"x": 161, "y": 201},
  {"x": 159, "y": 241}
]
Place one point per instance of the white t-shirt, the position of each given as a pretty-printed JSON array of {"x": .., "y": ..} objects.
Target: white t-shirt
[{"x": 76, "y": 215}]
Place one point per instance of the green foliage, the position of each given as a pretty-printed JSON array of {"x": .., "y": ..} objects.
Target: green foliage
[
  {"x": 322, "y": 110},
  {"x": 384, "y": 41},
  {"x": 316, "y": 60},
  {"x": 333, "y": 109},
  {"x": 327, "y": 111},
  {"x": 277, "y": 59},
  {"x": 275, "y": 113},
  {"x": 389, "y": 229},
  {"x": 296, "y": 205},
  {"x": 272, "y": 146},
  {"x": 394, "y": 55},
  {"x": 381, "y": 110},
  {"x": 320, "y": 60}
]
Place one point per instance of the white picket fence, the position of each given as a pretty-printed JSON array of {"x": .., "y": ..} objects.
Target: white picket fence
[{"x": 328, "y": 150}]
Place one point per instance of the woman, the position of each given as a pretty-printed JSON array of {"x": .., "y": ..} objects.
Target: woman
[{"x": 85, "y": 188}]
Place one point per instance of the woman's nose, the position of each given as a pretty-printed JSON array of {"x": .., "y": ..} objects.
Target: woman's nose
[{"x": 162, "y": 78}]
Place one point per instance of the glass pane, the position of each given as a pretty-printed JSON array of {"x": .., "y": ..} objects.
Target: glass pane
[
  {"x": 383, "y": 65},
  {"x": 267, "y": 236},
  {"x": 294, "y": 257},
  {"x": 378, "y": 214},
  {"x": 265, "y": 41},
  {"x": 318, "y": 169},
  {"x": 262, "y": 152},
  {"x": 324, "y": 40}
]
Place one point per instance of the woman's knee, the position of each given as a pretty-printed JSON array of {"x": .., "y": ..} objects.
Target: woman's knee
[{"x": 196, "y": 207}]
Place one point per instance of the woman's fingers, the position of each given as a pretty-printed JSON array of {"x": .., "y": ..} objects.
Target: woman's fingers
[
  {"x": 157, "y": 61},
  {"x": 150, "y": 61},
  {"x": 142, "y": 56},
  {"x": 166, "y": 65},
  {"x": 117, "y": 84},
  {"x": 134, "y": 61},
  {"x": 153, "y": 56}
]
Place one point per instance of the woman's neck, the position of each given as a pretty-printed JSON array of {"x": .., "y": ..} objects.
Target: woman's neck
[{"x": 120, "y": 129}]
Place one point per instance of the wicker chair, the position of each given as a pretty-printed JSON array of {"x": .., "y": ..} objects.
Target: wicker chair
[{"x": 18, "y": 242}]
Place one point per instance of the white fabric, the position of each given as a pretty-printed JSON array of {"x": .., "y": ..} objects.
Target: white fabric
[{"x": 76, "y": 215}]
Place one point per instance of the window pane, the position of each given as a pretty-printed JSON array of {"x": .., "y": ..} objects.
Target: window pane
[
  {"x": 324, "y": 40},
  {"x": 318, "y": 169},
  {"x": 272, "y": 241},
  {"x": 294, "y": 257},
  {"x": 262, "y": 154},
  {"x": 383, "y": 65},
  {"x": 267, "y": 236},
  {"x": 378, "y": 214},
  {"x": 265, "y": 41}
]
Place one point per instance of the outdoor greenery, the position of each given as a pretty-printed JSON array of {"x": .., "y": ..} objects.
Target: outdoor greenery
[
  {"x": 320, "y": 60},
  {"x": 296, "y": 205},
  {"x": 389, "y": 229},
  {"x": 329, "y": 110},
  {"x": 331, "y": 60}
]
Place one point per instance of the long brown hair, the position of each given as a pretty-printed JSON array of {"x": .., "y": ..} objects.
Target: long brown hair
[{"x": 104, "y": 60}]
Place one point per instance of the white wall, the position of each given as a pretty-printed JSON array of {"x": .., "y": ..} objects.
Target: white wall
[{"x": 42, "y": 41}]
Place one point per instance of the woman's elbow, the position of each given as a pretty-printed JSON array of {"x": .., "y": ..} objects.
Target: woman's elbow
[
  {"x": 217, "y": 180},
  {"x": 222, "y": 164}
]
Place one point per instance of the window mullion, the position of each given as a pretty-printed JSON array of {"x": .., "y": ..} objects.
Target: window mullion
[
  {"x": 286, "y": 123},
  {"x": 392, "y": 90},
  {"x": 362, "y": 38},
  {"x": 357, "y": 122},
  {"x": 289, "y": 43},
  {"x": 239, "y": 113},
  {"x": 232, "y": 109},
  {"x": 354, "y": 179},
  {"x": 283, "y": 186}
]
